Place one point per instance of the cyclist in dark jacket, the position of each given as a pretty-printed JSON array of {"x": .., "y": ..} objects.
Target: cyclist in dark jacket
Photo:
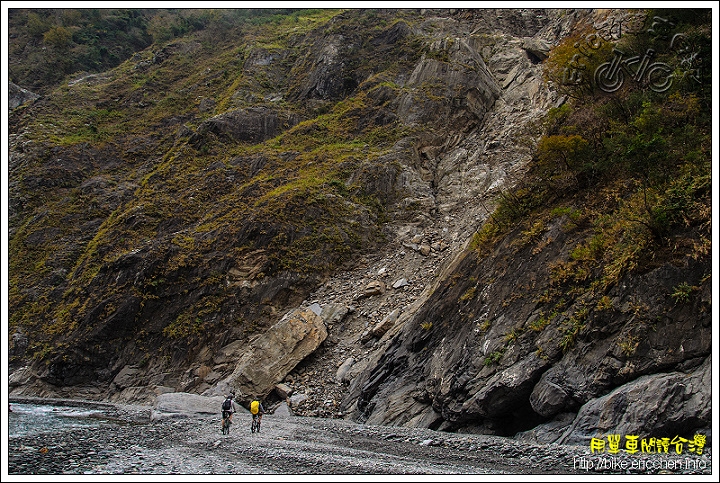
[{"x": 228, "y": 413}]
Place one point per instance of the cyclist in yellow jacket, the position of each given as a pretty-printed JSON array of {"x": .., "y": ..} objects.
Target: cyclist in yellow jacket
[{"x": 257, "y": 410}]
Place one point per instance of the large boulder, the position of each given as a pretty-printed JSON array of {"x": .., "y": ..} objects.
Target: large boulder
[
  {"x": 182, "y": 404},
  {"x": 275, "y": 353},
  {"x": 656, "y": 405},
  {"x": 507, "y": 389}
]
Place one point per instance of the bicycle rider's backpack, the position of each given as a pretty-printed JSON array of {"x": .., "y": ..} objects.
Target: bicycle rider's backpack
[
  {"x": 227, "y": 404},
  {"x": 254, "y": 407}
]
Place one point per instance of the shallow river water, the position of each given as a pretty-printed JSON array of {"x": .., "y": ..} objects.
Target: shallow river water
[{"x": 30, "y": 419}]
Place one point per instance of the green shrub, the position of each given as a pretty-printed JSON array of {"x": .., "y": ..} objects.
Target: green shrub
[
  {"x": 513, "y": 335},
  {"x": 494, "y": 357},
  {"x": 681, "y": 293},
  {"x": 469, "y": 294},
  {"x": 629, "y": 344}
]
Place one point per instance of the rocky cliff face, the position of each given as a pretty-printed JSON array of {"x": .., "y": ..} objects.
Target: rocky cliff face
[
  {"x": 18, "y": 96},
  {"x": 487, "y": 360},
  {"x": 177, "y": 262}
]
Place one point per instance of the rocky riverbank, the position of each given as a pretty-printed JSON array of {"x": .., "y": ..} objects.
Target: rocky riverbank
[{"x": 129, "y": 440}]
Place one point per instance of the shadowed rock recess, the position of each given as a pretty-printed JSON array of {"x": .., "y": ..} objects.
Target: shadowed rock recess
[{"x": 298, "y": 209}]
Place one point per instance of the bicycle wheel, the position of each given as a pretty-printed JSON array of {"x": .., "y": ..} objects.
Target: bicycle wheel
[
  {"x": 226, "y": 424},
  {"x": 660, "y": 77},
  {"x": 253, "y": 425},
  {"x": 607, "y": 82}
]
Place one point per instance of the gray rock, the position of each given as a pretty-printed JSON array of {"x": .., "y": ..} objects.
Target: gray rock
[
  {"x": 508, "y": 388},
  {"x": 375, "y": 287},
  {"x": 163, "y": 390},
  {"x": 327, "y": 76},
  {"x": 18, "y": 343},
  {"x": 537, "y": 47},
  {"x": 250, "y": 125},
  {"x": 126, "y": 377},
  {"x": 334, "y": 313},
  {"x": 439, "y": 246},
  {"x": 221, "y": 389},
  {"x": 17, "y": 96},
  {"x": 547, "y": 433},
  {"x": 385, "y": 324},
  {"x": 656, "y": 405},
  {"x": 282, "y": 411},
  {"x": 549, "y": 399},
  {"x": 182, "y": 404},
  {"x": 298, "y": 398},
  {"x": 316, "y": 308},
  {"x": 283, "y": 390},
  {"x": 230, "y": 352},
  {"x": 402, "y": 282},
  {"x": 20, "y": 377},
  {"x": 344, "y": 369}
]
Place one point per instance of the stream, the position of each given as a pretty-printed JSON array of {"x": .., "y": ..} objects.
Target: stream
[{"x": 34, "y": 420}]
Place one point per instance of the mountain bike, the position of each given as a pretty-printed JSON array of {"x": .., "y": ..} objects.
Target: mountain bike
[
  {"x": 226, "y": 422},
  {"x": 255, "y": 425}
]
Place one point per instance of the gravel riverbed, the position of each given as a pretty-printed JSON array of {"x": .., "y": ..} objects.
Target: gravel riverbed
[{"x": 113, "y": 440}]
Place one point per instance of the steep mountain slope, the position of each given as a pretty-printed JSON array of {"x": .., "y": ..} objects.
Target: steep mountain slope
[
  {"x": 589, "y": 315},
  {"x": 164, "y": 215}
]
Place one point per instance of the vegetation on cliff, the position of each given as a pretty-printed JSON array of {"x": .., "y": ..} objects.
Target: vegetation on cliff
[
  {"x": 235, "y": 140},
  {"x": 49, "y": 44},
  {"x": 629, "y": 170}
]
